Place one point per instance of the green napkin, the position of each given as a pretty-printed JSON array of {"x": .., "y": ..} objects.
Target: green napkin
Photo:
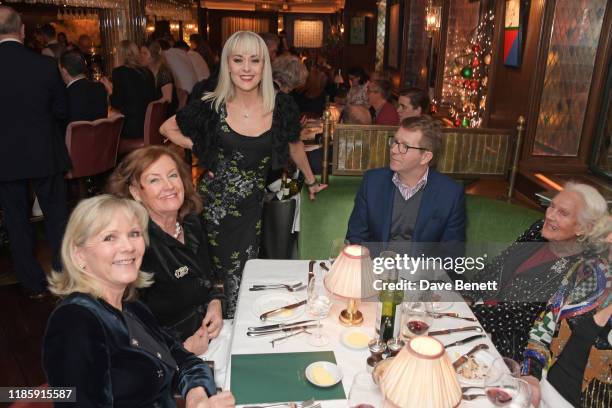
[{"x": 266, "y": 378}]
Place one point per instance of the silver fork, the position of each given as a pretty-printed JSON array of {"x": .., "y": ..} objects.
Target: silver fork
[{"x": 290, "y": 288}]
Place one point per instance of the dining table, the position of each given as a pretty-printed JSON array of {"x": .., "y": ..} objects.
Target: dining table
[{"x": 350, "y": 361}]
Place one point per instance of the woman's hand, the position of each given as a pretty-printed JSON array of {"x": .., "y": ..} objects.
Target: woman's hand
[
  {"x": 602, "y": 316},
  {"x": 197, "y": 343},
  {"x": 224, "y": 399},
  {"x": 213, "y": 320},
  {"x": 172, "y": 132},
  {"x": 314, "y": 189},
  {"x": 535, "y": 389}
]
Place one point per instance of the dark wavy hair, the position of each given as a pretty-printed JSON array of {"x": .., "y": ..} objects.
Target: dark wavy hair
[{"x": 130, "y": 169}]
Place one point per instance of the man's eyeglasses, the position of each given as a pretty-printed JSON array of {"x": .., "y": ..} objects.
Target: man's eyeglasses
[{"x": 402, "y": 147}]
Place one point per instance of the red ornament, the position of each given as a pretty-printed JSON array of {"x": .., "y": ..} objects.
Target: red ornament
[
  {"x": 457, "y": 123},
  {"x": 474, "y": 84},
  {"x": 476, "y": 48},
  {"x": 475, "y": 62},
  {"x": 466, "y": 83}
]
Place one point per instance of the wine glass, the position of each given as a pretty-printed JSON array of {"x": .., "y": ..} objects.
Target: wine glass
[
  {"x": 504, "y": 365},
  {"x": 318, "y": 305},
  {"x": 337, "y": 246},
  {"x": 507, "y": 391},
  {"x": 416, "y": 319},
  {"x": 364, "y": 392}
]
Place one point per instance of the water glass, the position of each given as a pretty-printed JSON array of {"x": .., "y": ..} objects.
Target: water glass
[
  {"x": 364, "y": 392},
  {"x": 318, "y": 305}
]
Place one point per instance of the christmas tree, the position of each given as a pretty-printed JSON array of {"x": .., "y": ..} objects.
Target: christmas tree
[{"x": 466, "y": 81}]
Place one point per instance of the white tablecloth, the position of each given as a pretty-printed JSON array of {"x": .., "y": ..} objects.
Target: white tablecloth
[{"x": 350, "y": 361}]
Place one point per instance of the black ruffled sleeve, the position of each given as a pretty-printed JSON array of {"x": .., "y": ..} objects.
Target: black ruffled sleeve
[
  {"x": 198, "y": 121},
  {"x": 285, "y": 128}
]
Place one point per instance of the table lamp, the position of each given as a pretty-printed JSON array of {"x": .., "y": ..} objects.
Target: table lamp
[
  {"x": 421, "y": 375},
  {"x": 351, "y": 276}
]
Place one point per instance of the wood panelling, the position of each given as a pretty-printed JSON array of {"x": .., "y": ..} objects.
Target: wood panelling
[
  {"x": 511, "y": 86},
  {"x": 360, "y": 55},
  {"x": 214, "y": 23}
]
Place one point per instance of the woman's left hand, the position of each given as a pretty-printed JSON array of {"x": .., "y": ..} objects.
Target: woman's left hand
[
  {"x": 314, "y": 189},
  {"x": 213, "y": 320}
]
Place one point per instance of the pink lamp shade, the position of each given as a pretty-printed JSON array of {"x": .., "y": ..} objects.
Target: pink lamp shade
[
  {"x": 351, "y": 276},
  {"x": 421, "y": 375}
]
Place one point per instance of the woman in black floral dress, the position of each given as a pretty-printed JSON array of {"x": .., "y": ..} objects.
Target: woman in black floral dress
[
  {"x": 531, "y": 270},
  {"x": 239, "y": 132}
]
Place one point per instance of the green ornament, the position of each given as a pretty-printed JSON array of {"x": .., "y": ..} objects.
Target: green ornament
[
  {"x": 465, "y": 122},
  {"x": 467, "y": 72}
]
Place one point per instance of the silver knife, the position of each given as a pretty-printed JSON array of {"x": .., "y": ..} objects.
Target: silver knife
[
  {"x": 466, "y": 340},
  {"x": 284, "y": 330},
  {"x": 278, "y": 326},
  {"x": 458, "y": 329},
  {"x": 264, "y": 316}
]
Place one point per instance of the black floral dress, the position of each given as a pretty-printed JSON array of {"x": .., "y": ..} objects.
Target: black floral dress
[
  {"x": 509, "y": 313},
  {"x": 233, "y": 198}
]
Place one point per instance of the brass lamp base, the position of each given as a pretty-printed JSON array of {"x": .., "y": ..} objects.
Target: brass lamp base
[{"x": 351, "y": 316}]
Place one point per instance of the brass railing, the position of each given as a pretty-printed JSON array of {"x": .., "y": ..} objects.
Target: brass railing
[{"x": 466, "y": 153}]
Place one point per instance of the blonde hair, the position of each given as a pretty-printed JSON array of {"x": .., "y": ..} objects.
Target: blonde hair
[
  {"x": 251, "y": 44},
  {"x": 87, "y": 220},
  {"x": 595, "y": 206},
  {"x": 129, "y": 54}
]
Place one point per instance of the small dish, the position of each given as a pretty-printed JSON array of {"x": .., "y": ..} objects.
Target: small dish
[
  {"x": 356, "y": 338},
  {"x": 323, "y": 374},
  {"x": 269, "y": 302},
  {"x": 474, "y": 371}
]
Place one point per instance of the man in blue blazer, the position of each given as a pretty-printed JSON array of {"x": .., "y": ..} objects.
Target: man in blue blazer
[{"x": 409, "y": 201}]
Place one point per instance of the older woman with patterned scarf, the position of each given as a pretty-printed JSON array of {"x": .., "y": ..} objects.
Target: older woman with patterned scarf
[
  {"x": 570, "y": 341},
  {"x": 531, "y": 270}
]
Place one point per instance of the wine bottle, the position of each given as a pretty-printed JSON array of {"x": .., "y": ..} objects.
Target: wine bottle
[
  {"x": 389, "y": 299},
  {"x": 286, "y": 194}
]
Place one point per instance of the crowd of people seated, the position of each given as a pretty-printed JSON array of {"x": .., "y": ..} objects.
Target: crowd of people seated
[{"x": 148, "y": 271}]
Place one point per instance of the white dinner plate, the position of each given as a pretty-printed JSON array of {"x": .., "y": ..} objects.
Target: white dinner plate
[
  {"x": 483, "y": 358},
  {"x": 326, "y": 368},
  {"x": 273, "y": 301},
  {"x": 356, "y": 338}
]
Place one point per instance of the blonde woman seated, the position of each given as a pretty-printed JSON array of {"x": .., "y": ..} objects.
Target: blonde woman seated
[{"x": 102, "y": 341}]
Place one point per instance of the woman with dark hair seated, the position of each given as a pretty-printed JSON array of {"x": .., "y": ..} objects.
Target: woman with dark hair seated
[
  {"x": 183, "y": 296},
  {"x": 530, "y": 271},
  {"x": 357, "y": 94},
  {"x": 99, "y": 339}
]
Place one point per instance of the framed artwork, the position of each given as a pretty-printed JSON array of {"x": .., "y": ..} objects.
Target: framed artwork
[
  {"x": 357, "y": 31},
  {"x": 515, "y": 24},
  {"x": 394, "y": 36}
]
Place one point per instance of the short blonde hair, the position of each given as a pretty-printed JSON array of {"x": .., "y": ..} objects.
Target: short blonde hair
[
  {"x": 595, "y": 206},
  {"x": 251, "y": 44},
  {"x": 129, "y": 54},
  {"x": 87, "y": 220}
]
